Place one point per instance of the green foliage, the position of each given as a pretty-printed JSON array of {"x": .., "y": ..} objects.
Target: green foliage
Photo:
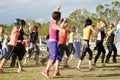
[
  {"x": 44, "y": 30},
  {"x": 109, "y": 12},
  {"x": 78, "y": 17}
]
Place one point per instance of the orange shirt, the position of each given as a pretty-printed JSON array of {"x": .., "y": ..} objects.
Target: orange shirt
[
  {"x": 14, "y": 36},
  {"x": 62, "y": 38}
]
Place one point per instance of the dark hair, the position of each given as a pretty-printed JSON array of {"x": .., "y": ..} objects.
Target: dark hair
[
  {"x": 112, "y": 25},
  {"x": 73, "y": 29},
  {"x": 88, "y": 22},
  {"x": 22, "y": 22},
  {"x": 56, "y": 15},
  {"x": 62, "y": 20}
]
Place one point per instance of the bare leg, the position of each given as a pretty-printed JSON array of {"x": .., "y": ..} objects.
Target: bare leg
[
  {"x": 26, "y": 59},
  {"x": 79, "y": 63},
  {"x": 20, "y": 69},
  {"x": 90, "y": 65},
  {"x": 2, "y": 63},
  {"x": 66, "y": 62}
]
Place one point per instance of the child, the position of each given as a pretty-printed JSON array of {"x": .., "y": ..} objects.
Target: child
[
  {"x": 4, "y": 46},
  {"x": 55, "y": 55}
]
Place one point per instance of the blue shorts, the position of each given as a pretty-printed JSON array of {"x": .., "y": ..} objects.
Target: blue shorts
[{"x": 54, "y": 51}]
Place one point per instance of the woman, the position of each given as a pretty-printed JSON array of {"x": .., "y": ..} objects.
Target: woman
[
  {"x": 110, "y": 44},
  {"x": 87, "y": 32},
  {"x": 12, "y": 46},
  {"x": 55, "y": 55}
]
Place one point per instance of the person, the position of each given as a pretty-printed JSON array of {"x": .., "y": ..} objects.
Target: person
[
  {"x": 12, "y": 46},
  {"x": 118, "y": 28},
  {"x": 1, "y": 36},
  {"x": 110, "y": 44},
  {"x": 32, "y": 45},
  {"x": 4, "y": 46},
  {"x": 55, "y": 55},
  {"x": 62, "y": 42},
  {"x": 45, "y": 59},
  {"x": 99, "y": 42},
  {"x": 87, "y": 32},
  {"x": 71, "y": 40},
  {"x": 20, "y": 47}
]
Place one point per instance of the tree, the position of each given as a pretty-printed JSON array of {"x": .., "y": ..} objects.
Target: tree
[
  {"x": 109, "y": 12},
  {"x": 78, "y": 17},
  {"x": 44, "y": 30}
]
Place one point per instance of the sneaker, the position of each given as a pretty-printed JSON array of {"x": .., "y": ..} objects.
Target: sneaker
[
  {"x": 22, "y": 70},
  {"x": 45, "y": 73},
  {"x": 56, "y": 73},
  {"x": 1, "y": 71}
]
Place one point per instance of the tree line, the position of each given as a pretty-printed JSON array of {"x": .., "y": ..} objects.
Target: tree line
[{"x": 110, "y": 13}]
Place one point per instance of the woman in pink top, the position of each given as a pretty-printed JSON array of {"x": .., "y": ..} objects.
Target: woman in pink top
[
  {"x": 12, "y": 46},
  {"x": 55, "y": 55}
]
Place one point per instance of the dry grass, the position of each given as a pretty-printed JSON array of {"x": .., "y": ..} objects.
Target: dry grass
[{"x": 109, "y": 72}]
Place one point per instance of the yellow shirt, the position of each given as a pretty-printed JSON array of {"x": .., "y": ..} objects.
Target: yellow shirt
[
  {"x": 86, "y": 33},
  {"x": 71, "y": 37}
]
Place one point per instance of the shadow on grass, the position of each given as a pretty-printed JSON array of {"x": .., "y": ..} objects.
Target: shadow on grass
[
  {"x": 109, "y": 75},
  {"x": 65, "y": 76},
  {"x": 110, "y": 66}
]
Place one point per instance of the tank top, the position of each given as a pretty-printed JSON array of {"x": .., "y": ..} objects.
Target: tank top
[
  {"x": 14, "y": 37},
  {"x": 53, "y": 34},
  {"x": 111, "y": 38},
  {"x": 71, "y": 37},
  {"x": 62, "y": 38},
  {"x": 86, "y": 34}
]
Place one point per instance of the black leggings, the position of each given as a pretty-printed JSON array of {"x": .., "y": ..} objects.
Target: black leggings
[
  {"x": 111, "y": 47},
  {"x": 85, "y": 50},
  {"x": 63, "y": 47},
  {"x": 71, "y": 48},
  {"x": 19, "y": 51},
  {"x": 100, "y": 49}
]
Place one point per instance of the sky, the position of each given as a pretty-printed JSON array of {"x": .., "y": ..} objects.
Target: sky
[{"x": 40, "y": 10}]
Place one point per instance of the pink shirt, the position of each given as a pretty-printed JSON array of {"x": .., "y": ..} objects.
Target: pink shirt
[
  {"x": 14, "y": 37},
  {"x": 52, "y": 32}
]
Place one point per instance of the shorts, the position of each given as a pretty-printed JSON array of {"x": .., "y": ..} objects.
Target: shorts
[
  {"x": 54, "y": 51},
  {"x": 64, "y": 48},
  {"x": 20, "y": 50}
]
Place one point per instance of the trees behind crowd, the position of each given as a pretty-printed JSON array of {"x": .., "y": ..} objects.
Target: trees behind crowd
[{"x": 110, "y": 13}]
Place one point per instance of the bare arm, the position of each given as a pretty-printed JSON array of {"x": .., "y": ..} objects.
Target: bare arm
[
  {"x": 92, "y": 29},
  {"x": 109, "y": 32},
  {"x": 56, "y": 27}
]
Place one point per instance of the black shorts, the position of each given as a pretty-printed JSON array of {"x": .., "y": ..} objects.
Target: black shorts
[{"x": 18, "y": 50}]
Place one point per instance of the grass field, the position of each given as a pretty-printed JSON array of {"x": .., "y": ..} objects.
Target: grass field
[{"x": 110, "y": 72}]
